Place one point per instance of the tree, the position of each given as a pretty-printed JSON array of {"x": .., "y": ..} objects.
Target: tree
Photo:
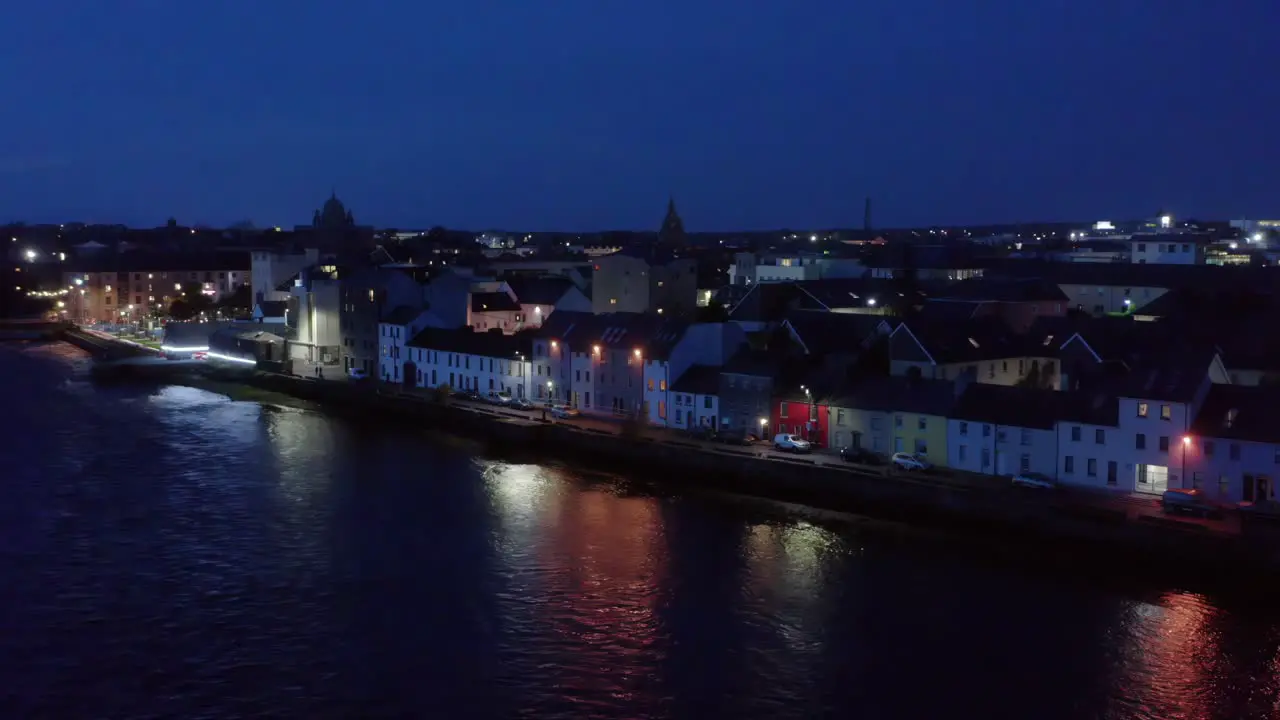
[
  {"x": 239, "y": 299},
  {"x": 191, "y": 301}
]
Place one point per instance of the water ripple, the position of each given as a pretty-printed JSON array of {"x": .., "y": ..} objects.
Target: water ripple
[{"x": 169, "y": 553}]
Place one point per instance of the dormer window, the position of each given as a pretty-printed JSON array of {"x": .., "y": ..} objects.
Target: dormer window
[{"x": 1231, "y": 417}]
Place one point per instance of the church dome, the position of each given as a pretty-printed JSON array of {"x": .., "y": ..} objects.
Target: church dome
[{"x": 333, "y": 215}]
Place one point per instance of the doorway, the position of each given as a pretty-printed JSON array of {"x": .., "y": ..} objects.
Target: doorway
[{"x": 1153, "y": 479}]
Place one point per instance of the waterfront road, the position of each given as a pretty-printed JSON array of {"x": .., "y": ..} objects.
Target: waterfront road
[{"x": 1137, "y": 507}]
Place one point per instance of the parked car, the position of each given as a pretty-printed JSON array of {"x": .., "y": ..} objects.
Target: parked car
[
  {"x": 499, "y": 398},
  {"x": 1188, "y": 501},
  {"x": 791, "y": 443},
  {"x": 1034, "y": 480},
  {"x": 860, "y": 455},
  {"x": 910, "y": 461},
  {"x": 357, "y": 374},
  {"x": 732, "y": 438},
  {"x": 521, "y": 404},
  {"x": 466, "y": 394},
  {"x": 564, "y": 412}
]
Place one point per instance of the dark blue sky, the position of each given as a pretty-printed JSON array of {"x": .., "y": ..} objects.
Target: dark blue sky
[{"x": 585, "y": 114}]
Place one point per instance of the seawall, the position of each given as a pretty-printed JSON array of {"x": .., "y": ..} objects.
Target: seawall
[{"x": 1060, "y": 529}]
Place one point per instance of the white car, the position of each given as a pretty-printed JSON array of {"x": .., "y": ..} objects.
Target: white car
[
  {"x": 564, "y": 412},
  {"x": 791, "y": 443},
  {"x": 499, "y": 398},
  {"x": 1034, "y": 480},
  {"x": 909, "y": 461}
]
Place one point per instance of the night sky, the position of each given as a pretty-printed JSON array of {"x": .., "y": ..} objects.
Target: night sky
[{"x": 587, "y": 114}]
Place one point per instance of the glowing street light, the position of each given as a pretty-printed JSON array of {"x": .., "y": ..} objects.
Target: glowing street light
[{"x": 31, "y": 255}]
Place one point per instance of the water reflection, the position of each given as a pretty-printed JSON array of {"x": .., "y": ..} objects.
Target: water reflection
[{"x": 171, "y": 553}]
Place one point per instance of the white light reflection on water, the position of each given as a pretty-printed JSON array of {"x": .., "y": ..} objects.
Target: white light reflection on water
[{"x": 786, "y": 575}]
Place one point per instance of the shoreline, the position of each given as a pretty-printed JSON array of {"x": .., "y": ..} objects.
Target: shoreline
[{"x": 1132, "y": 549}]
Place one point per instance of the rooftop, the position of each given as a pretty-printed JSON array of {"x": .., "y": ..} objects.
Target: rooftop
[
  {"x": 539, "y": 290},
  {"x": 1008, "y": 405},
  {"x": 493, "y": 302},
  {"x": 822, "y": 332},
  {"x": 902, "y": 394},
  {"x": 654, "y": 335},
  {"x": 698, "y": 380},
  {"x": 493, "y": 344},
  {"x": 1236, "y": 412}
]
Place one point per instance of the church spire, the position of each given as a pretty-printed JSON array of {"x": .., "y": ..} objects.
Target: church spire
[{"x": 672, "y": 233}]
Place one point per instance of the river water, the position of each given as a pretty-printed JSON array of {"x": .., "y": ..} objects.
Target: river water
[{"x": 168, "y": 553}]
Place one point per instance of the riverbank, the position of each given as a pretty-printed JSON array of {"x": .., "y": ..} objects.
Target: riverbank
[{"x": 1006, "y": 520}]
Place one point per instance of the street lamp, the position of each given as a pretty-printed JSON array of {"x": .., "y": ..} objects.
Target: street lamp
[
  {"x": 763, "y": 423},
  {"x": 31, "y": 255},
  {"x": 808, "y": 398},
  {"x": 551, "y": 392}
]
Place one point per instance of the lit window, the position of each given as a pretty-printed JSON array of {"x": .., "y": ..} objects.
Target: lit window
[
  {"x": 371, "y": 295},
  {"x": 1142, "y": 410}
]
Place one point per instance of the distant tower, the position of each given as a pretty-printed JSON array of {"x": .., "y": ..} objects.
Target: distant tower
[
  {"x": 866, "y": 215},
  {"x": 672, "y": 233}
]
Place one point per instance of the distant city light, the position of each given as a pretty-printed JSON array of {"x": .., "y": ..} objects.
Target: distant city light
[
  {"x": 79, "y": 281},
  {"x": 31, "y": 255},
  {"x": 871, "y": 302}
]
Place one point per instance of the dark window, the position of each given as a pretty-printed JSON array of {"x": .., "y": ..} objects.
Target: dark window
[
  {"x": 1141, "y": 441},
  {"x": 1164, "y": 443}
]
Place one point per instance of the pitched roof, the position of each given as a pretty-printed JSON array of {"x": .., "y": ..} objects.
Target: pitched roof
[
  {"x": 539, "y": 290},
  {"x": 1004, "y": 289},
  {"x": 890, "y": 394},
  {"x": 654, "y": 335},
  {"x": 765, "y": 302},
  {"x": 834, "y": 293},
  {"x": 465, "y": 340},
  {"x": 401, "y": 315},
  {"x": 1178, "y": 379},
  {"x": 757, "y": 363},
  {"x": 1237, "y": 412},
  {"x": 1008, "y": 405},
  {"x": 698, "y": 380},
  {"x": 974, "y": 340},
  {"x": 822, "y": 332},
  {"x": 493, "y": 302}
]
